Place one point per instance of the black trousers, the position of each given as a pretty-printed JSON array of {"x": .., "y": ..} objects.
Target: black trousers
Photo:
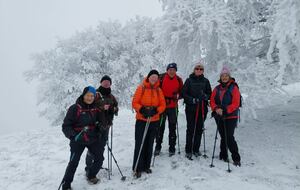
[
  {"x": 194, "y": 130},
  {"x": 229, "y": 125},
  {"x": 90, "y": 158},
  {"x": 147, "y": 149},
  {"x": 171, "y": 113},
  {"x": 76, "y": 151}
]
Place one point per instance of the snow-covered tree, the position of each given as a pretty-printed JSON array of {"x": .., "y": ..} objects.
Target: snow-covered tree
[
  {"x": 258, "y": 39},
  {"x": 125, "y": 52}
]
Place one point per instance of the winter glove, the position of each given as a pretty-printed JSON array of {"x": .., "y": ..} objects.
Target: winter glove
[
  {"x": 148, "y": 112},
  {"x": 153, "y": 111},
  {"x": 224, "y": 110},
  {"x": 72, "y": 138}
]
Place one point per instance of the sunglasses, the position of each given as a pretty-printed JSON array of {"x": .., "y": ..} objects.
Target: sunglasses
[{"x": 201, "y": 69}]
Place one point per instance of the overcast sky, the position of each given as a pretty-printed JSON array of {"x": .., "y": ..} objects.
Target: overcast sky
[{"x": 30, "y": 26}]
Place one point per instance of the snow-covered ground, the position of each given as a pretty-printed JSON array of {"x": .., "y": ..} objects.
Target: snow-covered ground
[{"x": 269, "y": 148}]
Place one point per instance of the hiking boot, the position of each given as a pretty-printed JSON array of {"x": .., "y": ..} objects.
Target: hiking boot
[
  {"x": 66, "y": 186},
  {"x": 197, "y": 154},
  {"x": 171, "y": 154},
  {"x": 148, "y": 171},
  {"x": 237, "y": 163},
  {"x": 157, "y": 151},
  {"x": 93, "y": 180},
  {"x": 137, "y": 174},
  {"x": 189, "y": 156},
  {"x": 223, "y": 157}
]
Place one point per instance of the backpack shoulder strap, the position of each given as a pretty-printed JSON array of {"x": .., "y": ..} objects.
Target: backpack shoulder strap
[
  {"x": 79, "y": 110},
  {"x": 231, "y": 86},
  {"x": 161, "y": 78},
  {"x": 179, "y": 79}
]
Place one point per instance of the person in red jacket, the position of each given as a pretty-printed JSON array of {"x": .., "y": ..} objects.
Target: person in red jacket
[
  {"x": 171, "y": 85},
  {"x": 225, "y": 103}
]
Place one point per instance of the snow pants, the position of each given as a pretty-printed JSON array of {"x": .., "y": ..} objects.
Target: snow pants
[
  {"x": 147, "y": 149},
  {"x": 172, "y": 119},
  {"x": 228, "y": 126},
  {"x": 76, "y": 152}
]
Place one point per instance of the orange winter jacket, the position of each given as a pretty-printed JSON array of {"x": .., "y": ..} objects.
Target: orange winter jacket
[{"x": 148, "y": 96}]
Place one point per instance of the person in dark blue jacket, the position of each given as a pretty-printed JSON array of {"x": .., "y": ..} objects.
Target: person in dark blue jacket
[{"x": 81, "y": 125}]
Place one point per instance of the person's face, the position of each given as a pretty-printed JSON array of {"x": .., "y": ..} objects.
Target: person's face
[
  {"x": 225, "y": 78},
  {"x": 171, "y": 72},
  {"x": 88, "y": 98},
  {"x": 105, "y": 84},
  {"x": 153, "y": 79},
  {"x": 198, "y": 71}
]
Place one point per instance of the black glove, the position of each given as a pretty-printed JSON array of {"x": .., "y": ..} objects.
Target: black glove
[
  {"x": 153, "y": 111},
  {"x": 72, "y": 138},
  {"x": 148, "y": 112},
  {"x": 224, "y": 110},
  {"x": 216, "y": 116}
]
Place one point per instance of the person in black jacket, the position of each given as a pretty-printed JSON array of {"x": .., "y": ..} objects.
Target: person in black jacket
[
  {"x": 107, "y": 103},
  {"x": 81, "y": 125},
  {"x": 196, "y": 93}
]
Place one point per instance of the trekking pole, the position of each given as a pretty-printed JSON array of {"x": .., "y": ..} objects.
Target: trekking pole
[
  {"x": 203, "y": 130},
  {"x": 158, "y": 131},
  {"x": 111, "y": 146},
  {"x": 123, "y": 178},
  {"x": 177, "y": 129},
  {"x": 72, "y": 156},
  {"x": 142, "y": 144},
  {"x": 226, "y": 143},
  {"x": 196, "y": 120},
  {"x": 62, "y": 181},
  {"x": 108, "y": 165},
  {"x": 216, "y": 137}
]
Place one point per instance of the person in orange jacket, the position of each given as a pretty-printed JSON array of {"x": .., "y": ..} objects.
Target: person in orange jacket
[
  {"x": 225, "y": 103},
  {"x": 148, "y": 102}
]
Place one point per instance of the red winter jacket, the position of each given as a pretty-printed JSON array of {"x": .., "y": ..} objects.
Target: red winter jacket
[{"x": 171, "y": 88}]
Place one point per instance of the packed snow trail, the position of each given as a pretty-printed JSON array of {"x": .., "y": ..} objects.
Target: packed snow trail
[{"x": 269, "y": 147}]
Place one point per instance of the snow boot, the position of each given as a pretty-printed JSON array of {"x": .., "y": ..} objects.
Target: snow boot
[
  {"x": 237, "y": 163},
  {"x": 197, "y": 154},
  {"x": 93, "y": 180},
  {"x": 171, "y": 154},
  {"x": 148, "y": 171},
  {"x": 66, "y": 186},
  {"x": 223, "y": 157},
  {"x": 157, "y": 151},
  {"x": 171, "y": 151},
  {"x": 189, "y": 156},
  {"x": 137, "y": 174}
]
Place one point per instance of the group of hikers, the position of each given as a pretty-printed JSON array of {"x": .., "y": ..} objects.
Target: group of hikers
[{"x": 88, "y": 121}]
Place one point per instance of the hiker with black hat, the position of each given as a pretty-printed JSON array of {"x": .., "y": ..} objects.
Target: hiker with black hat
[
  {"x": 171, "y": 85},
  {"x": 107, "y": 103},
  {"x": 148, "y": 102}
]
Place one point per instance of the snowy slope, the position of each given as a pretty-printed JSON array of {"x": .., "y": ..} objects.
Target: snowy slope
[{"x": 269, "y": 148}]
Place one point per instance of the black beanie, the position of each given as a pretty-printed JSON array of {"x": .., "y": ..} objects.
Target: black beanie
[
  {"x": 172, "y": 65},
  {"x": 152, "y": 72},
  {"x": 105, "y": 77}
]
